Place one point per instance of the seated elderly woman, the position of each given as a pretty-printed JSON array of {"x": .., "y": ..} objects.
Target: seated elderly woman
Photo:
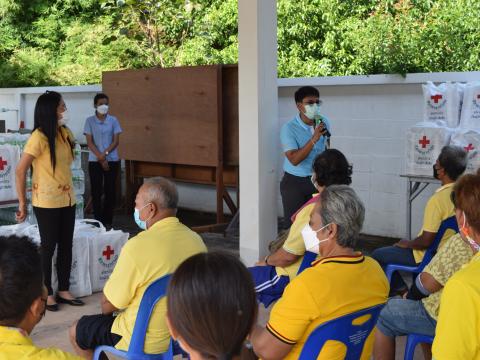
[
  {"x": 342, "y": 281},
  {"x": 279, "y": 268},
  {"x": 211, "y": 306},
  {"x": 458, "y": 325}
]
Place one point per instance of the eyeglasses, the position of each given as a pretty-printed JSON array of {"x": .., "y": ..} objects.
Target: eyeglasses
[{"x": 311, "y": 102}]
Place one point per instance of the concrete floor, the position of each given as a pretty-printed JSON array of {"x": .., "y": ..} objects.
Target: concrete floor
[{"x": 52, "y": 331}]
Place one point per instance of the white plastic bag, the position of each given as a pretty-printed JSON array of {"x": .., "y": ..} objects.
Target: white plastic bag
[
  {"x": 470, "y": 118},
  {"x": 9, "y": 158},
  {"x": 470, "y": 141},
  {"x": 105, "y": 248},
  {"x": 424, "y": 143},
  {"x": 441, "y": 104}
]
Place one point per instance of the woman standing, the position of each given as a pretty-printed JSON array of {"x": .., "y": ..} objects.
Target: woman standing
[
  {"x": 102, "y": 131},
  {"x": 49, "y": 151}
]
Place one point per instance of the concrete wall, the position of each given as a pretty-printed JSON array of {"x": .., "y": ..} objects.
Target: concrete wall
[{"x": 369, "y": 115}]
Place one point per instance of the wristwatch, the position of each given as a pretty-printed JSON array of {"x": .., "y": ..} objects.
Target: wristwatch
[{"x": 106, "y": 153}]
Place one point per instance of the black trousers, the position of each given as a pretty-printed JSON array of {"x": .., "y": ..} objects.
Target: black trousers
[
  {"x": 56, "y": 230},
  {"x": 103, "y": 182},
  {"x": 295, "y": 191}
]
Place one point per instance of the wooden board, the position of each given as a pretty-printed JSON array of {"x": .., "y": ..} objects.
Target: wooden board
[
  {"x": 230, "y": 114},
  {"x": 170, "y": 115}
]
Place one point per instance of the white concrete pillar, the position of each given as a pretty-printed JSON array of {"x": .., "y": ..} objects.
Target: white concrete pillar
[{"x": 258, "y": 113}]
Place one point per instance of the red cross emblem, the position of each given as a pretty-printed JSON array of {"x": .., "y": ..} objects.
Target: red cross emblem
[
  {"x": 424, "y": 142},
  {"x": 436, "y": 98},
  {"x": 2, "y": 163},
  {"x": 469, "y": 147},
  {"x": 108, "y": 252}
]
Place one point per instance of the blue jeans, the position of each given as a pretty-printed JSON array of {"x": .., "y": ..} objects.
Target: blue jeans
[
  {"x": 394, "y": 255},
  {"x": 402, "y": 317}
]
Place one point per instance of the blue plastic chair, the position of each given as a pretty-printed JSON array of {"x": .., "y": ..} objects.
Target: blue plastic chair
[
  {"x": 449, "y": 223},
  {"x": 152, "y": 295},
  {"x": 308, "y": 258},
  {"x": 412, "y": 341},
  {"x": 342, "y": 329}
]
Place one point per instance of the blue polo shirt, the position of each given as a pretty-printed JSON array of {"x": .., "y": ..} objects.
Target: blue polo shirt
[
  {"x": 294, "y": 135},
  {"x": 102, "y": 133}
]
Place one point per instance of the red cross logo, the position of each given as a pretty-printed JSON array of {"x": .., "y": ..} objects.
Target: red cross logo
[
  {"x": 424, "y": 142},
  {"x": 2, "y": 163},
  {"x": 436, "y": 98},
  {"x": 108, "y": 252},
  {"x": 469, "y": 147}
]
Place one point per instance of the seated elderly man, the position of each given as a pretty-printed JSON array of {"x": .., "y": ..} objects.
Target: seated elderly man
[
  {"x": 153, "y": 253},
  {"x": 342, "y": 281},
  {"x": 451, "y": 163},
  {"x": 23, "y": 300},
  {"x": 279, "y": 268},
  {"x": 405, "y": 316}
]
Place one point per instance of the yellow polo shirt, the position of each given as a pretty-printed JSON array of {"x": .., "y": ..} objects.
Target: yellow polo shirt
[
  {"x": 15, "y": 345},
  {"x": 446, "y": 262},
  {"x": 332, "y": 287},
  {"x": 439, "y": 207},
  {"x": 146, "y": 257},
  {"x": 457, "y": 335},
  {"x": 51, "y": 189},
  {"x": 294, "y": 243}
]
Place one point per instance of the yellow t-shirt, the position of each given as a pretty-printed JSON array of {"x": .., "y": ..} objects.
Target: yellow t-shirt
[
  {"x": 332, "y": 287},
  {"x": 446, "y": 262},
  {"x": 457, "y": 335},
  {"x": 439, "y": 207},
  {"x": 51, "y": 189},
  {"x": 148, "y": 256},
  {"x": 294, "y": 243},
  {"x": 15, "y": 344}
]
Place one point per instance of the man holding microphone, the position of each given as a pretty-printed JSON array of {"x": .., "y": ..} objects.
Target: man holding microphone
[{"x": 302, "y": 138}]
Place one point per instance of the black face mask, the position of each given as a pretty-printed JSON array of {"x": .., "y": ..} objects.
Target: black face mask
[{"x": 435, "y": 172}]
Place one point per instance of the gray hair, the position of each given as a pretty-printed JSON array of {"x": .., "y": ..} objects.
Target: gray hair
[
  {"x": 162, "y": 192},
  {"x": 340, "y": 205},
  {"x": 453, "y": 159}
]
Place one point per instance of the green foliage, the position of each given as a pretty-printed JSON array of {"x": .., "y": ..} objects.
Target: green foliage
[{"x": 49, "y": 42}]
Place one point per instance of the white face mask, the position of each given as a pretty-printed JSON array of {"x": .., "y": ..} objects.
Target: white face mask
[
  {"x": 102, "y": 109},
  {"x": 466, "y": 234},
  {"x": 311, "y": 111},
  {"x": 64, "y": 117},
  {"x": 310, "y": 238}
]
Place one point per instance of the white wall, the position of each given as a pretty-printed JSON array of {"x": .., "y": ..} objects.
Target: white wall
[
  {"x": 369, "y": 115},
  {"x": 79, "y": 101}
]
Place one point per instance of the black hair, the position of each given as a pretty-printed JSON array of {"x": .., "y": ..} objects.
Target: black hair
[
  {"x": 100, "y": 96},
  {"x": 211, "y": 303},
  {"x": 21, "y": 279},
  {"x": 332, "y": 168},
  {"x": 45, "y": 119},
  {"x": 305, "y": 91},
  {"x": 453, "y": 159}
]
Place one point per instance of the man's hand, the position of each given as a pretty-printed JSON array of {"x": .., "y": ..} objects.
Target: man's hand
[
  {"x": 21, "y": 214},
  {"x": 404, "y": 244},
  {"x": 101, "y": 158},
  {"x": 319, "y": 130},
  {"x": 105, "y": 166}
]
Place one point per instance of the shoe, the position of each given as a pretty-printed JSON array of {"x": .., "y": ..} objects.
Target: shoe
[
  {"x": 73, "y": 302},
  {"x": 53, "y": 307}
]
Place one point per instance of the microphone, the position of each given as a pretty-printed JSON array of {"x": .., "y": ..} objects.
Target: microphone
[{"x": 318, "y": 119}]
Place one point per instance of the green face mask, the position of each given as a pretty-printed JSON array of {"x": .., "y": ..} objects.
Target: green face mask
[{"x": 311, "y": 111}]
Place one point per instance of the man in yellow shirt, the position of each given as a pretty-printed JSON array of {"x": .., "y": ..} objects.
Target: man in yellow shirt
[
  {"x": 153, "y": 253},
  {"x": 458, "y": 326},
  {"x": 342, "y": 281},
  {"x": 451, "y": 163},
  {"x": 278, "y": 269},
  {"x": 401, "y": 317},
  {"x": 23, "y": 299}
]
